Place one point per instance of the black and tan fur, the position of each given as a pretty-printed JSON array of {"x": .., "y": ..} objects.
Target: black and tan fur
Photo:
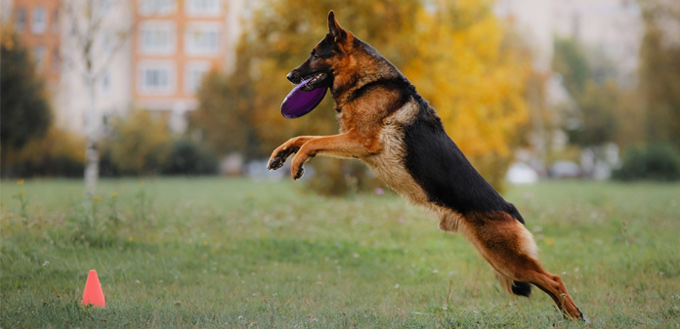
[{"x": 386, "y": 124}]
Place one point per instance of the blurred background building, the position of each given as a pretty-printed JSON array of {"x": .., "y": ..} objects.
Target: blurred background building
[{"x": 150, "y": 54}]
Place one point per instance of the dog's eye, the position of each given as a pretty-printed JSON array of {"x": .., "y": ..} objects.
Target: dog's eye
[{"x": 315, "y": 56}]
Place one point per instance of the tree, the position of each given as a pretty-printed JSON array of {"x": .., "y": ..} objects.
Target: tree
[
  {"x": 571, "y": 62},
  {"x": 590, "y": 118},
  {"x": 89, "y": 24},
  {"x": 24, "y": 107},
  {"x": 597, "y": 123},
  {"x": 225, "y": 117},
  {"x": 660, "y": 70},
  {"x": 474, "y": 79}
]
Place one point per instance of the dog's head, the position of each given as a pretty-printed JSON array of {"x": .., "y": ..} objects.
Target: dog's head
[{"x": 329, "y": 55}]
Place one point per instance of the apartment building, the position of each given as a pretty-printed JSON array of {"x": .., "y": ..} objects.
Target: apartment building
[
  {"x": 175, "y": 43},
  {"x": 147, "y": 54}
]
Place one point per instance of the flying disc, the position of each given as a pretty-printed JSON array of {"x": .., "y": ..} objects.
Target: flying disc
[{"x": 299, "y": 102}]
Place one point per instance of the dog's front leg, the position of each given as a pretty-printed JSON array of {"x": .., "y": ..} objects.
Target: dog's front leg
[{"x": 347, "y": 145}]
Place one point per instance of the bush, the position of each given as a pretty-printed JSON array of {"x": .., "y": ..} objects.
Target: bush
[
  {"x": 657, "y": 161},
  {"x": 335, "y": 177},
  {"x": 140, "y": 144},
  {"x": 60, "y": 166},
  {"x": 189, "y": 158},
  {"x": 185, "y": 157},
  {"x": 57, "y": 154}
]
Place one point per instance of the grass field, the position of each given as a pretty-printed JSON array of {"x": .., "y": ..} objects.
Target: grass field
[{"x": 233, "y": 253}]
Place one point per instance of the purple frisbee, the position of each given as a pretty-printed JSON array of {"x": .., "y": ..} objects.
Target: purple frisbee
[{"x": 299, "y": 103}]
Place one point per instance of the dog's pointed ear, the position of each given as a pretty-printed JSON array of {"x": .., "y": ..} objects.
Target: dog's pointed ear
[{"x": 334, "y": 29}]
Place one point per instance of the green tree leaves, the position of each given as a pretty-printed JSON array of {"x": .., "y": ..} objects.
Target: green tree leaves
[{"x": 25, "y": 109}]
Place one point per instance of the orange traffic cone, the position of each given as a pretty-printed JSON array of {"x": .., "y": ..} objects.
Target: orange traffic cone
[{"x": 93, "y": 293}]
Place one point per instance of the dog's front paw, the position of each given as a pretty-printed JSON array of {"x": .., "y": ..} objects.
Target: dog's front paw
[
  {"x": 296, "y": 166},
  {"x": 276, "y": 162},
  {"x": 281, "y": 153},
  {"x": 279, "y": 156}
]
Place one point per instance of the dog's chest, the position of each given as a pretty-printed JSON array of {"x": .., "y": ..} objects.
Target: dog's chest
[{"x": 389, "y": 164}]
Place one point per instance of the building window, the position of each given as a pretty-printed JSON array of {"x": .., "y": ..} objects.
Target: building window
[
  {"x": 202, "y": 7},
  {"x": 203, "y": 39},
  {"x": 56, "y": 60},
  {"x": 158, "y": 38},
  {"x": 39, "y": 23},
  {"x": 20, "y": 23},
  {"x": 194, "y": 73},
  {"x": 55, "y": 21},
  {"x": 39, "y": 54},
  {"x": 157, "y": 7},
  {"x": 157, "y": 77}
]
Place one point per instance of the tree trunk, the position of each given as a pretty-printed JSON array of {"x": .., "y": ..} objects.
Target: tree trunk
[{"x": 91, "y": 150}]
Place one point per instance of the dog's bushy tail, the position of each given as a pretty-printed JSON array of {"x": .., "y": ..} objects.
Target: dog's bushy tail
[{"x": 521, "y": 288}]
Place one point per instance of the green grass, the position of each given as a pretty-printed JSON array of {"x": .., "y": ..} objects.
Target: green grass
[{"x": 234, "y": 253}]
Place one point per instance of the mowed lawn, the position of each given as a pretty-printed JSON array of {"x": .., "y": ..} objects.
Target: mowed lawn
[{"x": 237, "y": 253}]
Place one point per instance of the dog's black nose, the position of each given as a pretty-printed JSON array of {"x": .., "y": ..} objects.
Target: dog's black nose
[{"x": 293, "y": 77}]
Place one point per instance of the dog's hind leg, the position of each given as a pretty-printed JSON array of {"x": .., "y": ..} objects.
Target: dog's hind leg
[
  {"x": 531, "y": 270},
  {"x": 510, "y": 249}
]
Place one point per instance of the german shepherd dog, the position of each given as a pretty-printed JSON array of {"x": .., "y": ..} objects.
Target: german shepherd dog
[{"x": 387, "y": 125}]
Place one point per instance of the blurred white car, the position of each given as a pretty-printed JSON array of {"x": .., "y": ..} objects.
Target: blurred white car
[
  {"x": 565, "y": 169},
  {"x": 521, "y": 173}
]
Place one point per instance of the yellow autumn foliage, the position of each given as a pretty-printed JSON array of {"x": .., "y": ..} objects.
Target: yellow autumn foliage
[
  {"x": 55, "y": 144},
  {"x": 474, "y": 81}
]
